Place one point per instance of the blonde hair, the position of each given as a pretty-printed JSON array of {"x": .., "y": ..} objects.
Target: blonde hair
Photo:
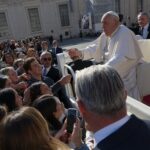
[{"x": 28, "y": 125}]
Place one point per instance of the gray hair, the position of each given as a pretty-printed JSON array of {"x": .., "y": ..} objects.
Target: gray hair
[
  {"x": 112, "y": 14},
  {"x": 45, "y": 53},
  {"x": 101, "y": 89},
  {"x": 143, "y": 14}
]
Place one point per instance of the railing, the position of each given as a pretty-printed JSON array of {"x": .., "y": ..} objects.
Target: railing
[
  {"x": 138, "y": 108},
  {"x": 145, "y": 48},
  {"x": 63, "y": 68}
]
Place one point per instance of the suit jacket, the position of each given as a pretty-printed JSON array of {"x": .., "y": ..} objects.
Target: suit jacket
[
  {"x": 54, "y": 74},
  {"x": 148, "y": 36},
  {"x": 134, "y": 135}
]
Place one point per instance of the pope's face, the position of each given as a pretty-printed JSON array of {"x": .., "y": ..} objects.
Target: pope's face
[{"x": 109, "y": 25}]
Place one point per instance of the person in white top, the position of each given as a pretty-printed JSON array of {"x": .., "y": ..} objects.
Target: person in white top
[
  {"x": 144, "y": 25},
  {"x": 117, "y": 46}
]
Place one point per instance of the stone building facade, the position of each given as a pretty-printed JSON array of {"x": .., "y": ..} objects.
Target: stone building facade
[{"x": 20, "y": 19}]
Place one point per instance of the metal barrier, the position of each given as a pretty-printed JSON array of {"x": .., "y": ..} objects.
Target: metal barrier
[
  {"x": 138, "y": 108},
  {"x": 144, "y": 46},
  {"x": 61, "y": 62},
  {"x": 143, "y": 78},
  {"x": 63, "y": 69}
]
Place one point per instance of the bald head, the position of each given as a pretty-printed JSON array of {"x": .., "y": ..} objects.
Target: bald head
[{"x": 74, "y": 53}]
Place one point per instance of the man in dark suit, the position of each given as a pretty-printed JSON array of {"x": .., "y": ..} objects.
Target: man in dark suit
[
  {"x": 55, "y": 50},
  {"x": 52, "y": 72},
  {"x": 101, "y": 98},
  {"x": 144, "y": 25}
]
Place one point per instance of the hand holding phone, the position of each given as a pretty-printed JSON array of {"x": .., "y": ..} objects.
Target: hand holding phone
[{"x": 71, "y": 119}]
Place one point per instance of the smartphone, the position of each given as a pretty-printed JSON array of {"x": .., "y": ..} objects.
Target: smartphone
[{"x": 71, "y": 119}]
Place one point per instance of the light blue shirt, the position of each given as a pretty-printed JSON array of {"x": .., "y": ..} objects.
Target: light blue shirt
[
  {"x": 145, "y": 31},
  {"x": 106, "y": 131}
]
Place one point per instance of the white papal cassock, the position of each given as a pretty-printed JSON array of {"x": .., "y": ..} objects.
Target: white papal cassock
[{"x": 120, "y": 51}]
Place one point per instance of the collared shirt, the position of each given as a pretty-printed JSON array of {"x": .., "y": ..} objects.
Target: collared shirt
[
  {"x": 145, "y": 31},
  {"x": 47, "y": 69},
  {"x": 106, "y": 131}
]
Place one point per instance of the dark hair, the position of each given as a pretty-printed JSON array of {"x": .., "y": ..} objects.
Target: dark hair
[
  {"x": 44, "y": 42},
  {"x": 4, "y": 56},
  {"x": 120, "y": 17},
  {"x": 47, "y": 106},
  {"x": 3, "y": 112},
  {"x": 8, "y": 99},
  {"x": 27, "y": 63},
  {"x": 3, "y": 80},
  {"x": 35, "y": 90}
]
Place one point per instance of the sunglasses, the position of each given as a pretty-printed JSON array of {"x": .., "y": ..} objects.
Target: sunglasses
[{"x": 47, "y": 59}]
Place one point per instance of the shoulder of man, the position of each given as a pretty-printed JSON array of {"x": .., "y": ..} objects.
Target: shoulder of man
[{"x": 121, "y": 138}]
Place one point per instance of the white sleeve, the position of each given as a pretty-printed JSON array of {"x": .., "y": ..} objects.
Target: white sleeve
[
  {"x": 95, "y": 49},
  {"x": 88, "y": 52}
]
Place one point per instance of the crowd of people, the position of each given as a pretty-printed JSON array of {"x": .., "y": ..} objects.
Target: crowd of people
[
  {"x": 34, "y": 104},
  {"x": 29, "y": 77}
]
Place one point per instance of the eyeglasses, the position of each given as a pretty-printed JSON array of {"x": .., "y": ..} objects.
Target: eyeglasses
[{"x": 47, "y": 59}]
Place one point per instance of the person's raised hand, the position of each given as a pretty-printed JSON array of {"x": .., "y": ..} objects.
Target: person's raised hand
[{"x": 65, "y": 80}]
